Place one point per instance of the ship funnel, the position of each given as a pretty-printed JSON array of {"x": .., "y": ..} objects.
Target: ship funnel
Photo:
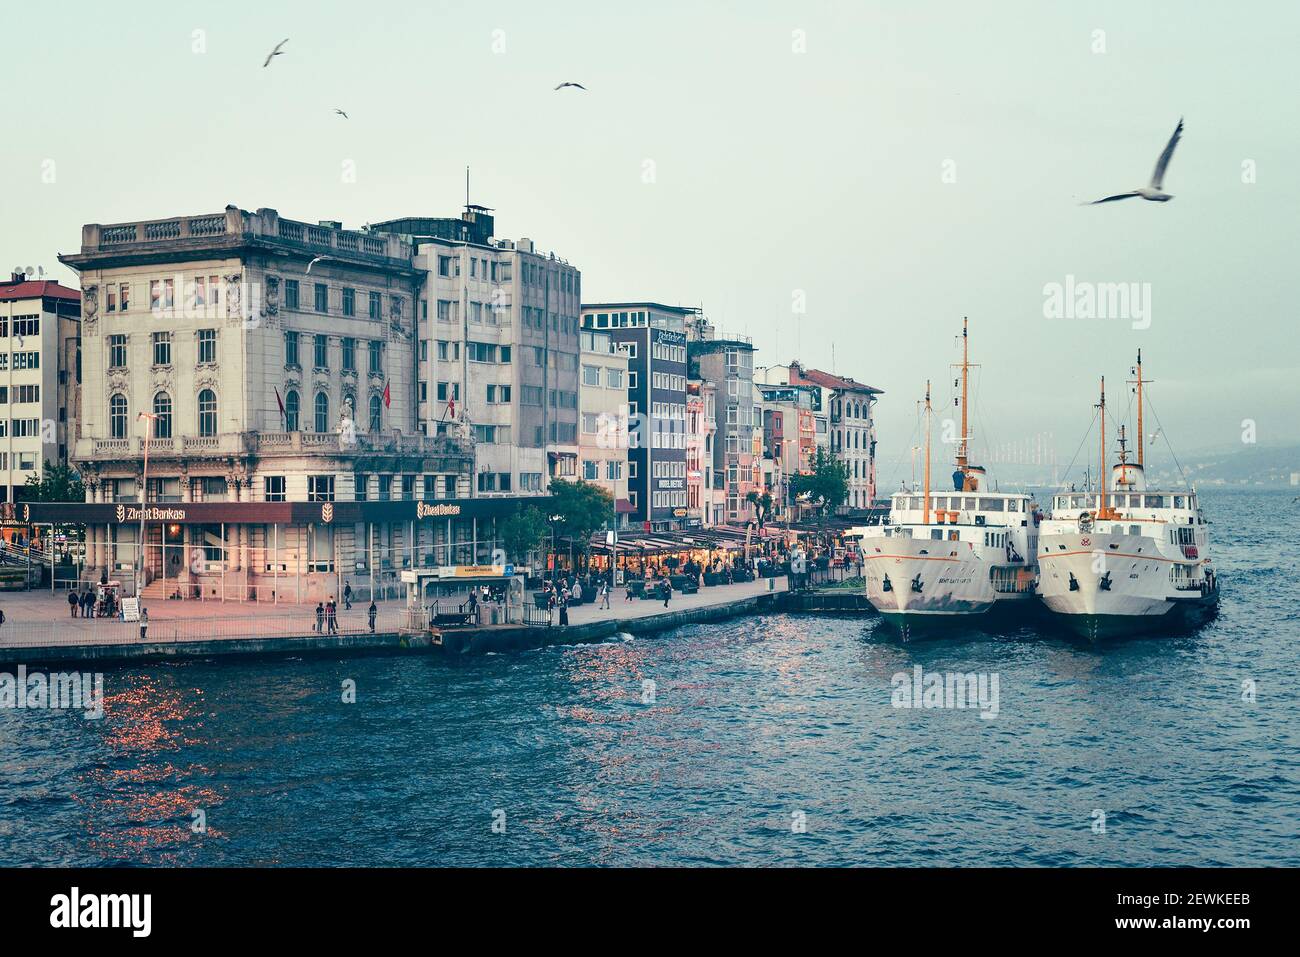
[{"x": 1128, "y": 477}]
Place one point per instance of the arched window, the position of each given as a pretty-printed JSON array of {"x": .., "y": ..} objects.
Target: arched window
[
  {"x": 291, "y": 411},
  {"x": 162, "y": 410},
  {"x": 322, "y": 412},
  {"x": 376, "y": 413},
  {"x": 117, "y": 415},
  {"x": 207, "y": 412}
]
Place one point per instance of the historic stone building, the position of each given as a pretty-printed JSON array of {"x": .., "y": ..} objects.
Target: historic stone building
[{"x": 267, "y": 362}]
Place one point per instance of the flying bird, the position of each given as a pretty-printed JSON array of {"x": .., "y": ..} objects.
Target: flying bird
[
  {"x": 567, "y": 83},
  {"x": 1155, "y": 191},
  {"x": 315, "y": 261},
  {"x": 274, "y": 53},
  {"x": 341, "y": 113}
]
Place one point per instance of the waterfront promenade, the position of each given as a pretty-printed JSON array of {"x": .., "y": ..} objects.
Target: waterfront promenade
[{"x": 37, "y": 621}]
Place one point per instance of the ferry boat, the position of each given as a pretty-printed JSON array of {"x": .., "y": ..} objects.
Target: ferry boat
[
  {"x": 1127, "y": 558},
  {"x": 951, "y": 554}
]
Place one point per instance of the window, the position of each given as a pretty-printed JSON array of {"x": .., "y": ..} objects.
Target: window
[
  {"x": 376, "y": 306},
  {"x": 117, "y": 415},
  {"x": 291, "y": 349},
  {"x": 590, "y": 470},
  {"x": 321, "y": 352},
  {"x": 322, "y": 412},
  {"x": 613, "y": 469},
  {"x": 291, "y": 409},
  {"x": 291, "y": 294},
  {"x": 376, "y": 413},
  {"x": 349, "y": 302},
  {"x": 26, "y": 393},
  {"x": 322, "y": 293},
  {"x": 376, "y": 357},
  {"x": 631, "y": 380},
  {"x": 444, "y": 266},
  {"x": 117, "y": 352},
  {"x": 207, "y": 412},
  {"x": 497, "y": 394},
  {"x": 207, "y": 345},
  {"x": 273, "y": 488},
  {"x": 590, "y": 423},
  {"x": 614, "y": 378},
  {"x": 162, "y": 410},
  {"x": 591, "y": 375},
  {"x": 385, "y": 488},
  {"x": 320, "y": 488},
  {"x": 124, "y": 297},
  {"x": 360, "y": 487},
  {"x": 481, "y": 352},
  {"x": 162, "y": 348},
  {"x": 349, "y": 355}
]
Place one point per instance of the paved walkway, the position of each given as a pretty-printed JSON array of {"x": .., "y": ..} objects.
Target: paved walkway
[{"x": 37, "y": 618}]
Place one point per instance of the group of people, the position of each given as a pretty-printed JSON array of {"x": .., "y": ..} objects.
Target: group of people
[
  {"x": 327, "y": 614},
  {"x": 86, "y": 605}
]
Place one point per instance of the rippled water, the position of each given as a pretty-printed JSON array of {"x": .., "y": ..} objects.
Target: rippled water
[{"x": 754, "y": 721}]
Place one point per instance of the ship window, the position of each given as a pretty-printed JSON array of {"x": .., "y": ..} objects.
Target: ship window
[
  {"x": 968, "y": 504},
  {"x": 1178, "y": 501},
  {"x": 1134, "y": 530},
  {"x": 936, "y": 533},
  {"x": 1155, "y": 501},
  {"x": 1013, "y": 505},
  {"x": 992, "y": 505}
]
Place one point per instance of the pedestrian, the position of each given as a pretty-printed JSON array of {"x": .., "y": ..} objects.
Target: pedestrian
[
  {"x": 332, "y": 616},
  {"x": 320, "y": 617},
  {"x": 74, "y": 602},
  {"x": 144, "y": 623},
  {"x": 347, "y": 596},
  {"x": 628, "y": 595},
  {"x": 88, "y": 604},
  {"x": 564, "y": 611},
  {"x": 577, "y": 591},
  {"x": 370, "y": 614},
  {"x": 472, "y": 604},
  {"x": 667, "y": 587},
  {"x": 604, "y": 594}
]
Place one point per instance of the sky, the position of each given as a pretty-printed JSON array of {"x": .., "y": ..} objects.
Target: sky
[{"x": 841, "y": 181}]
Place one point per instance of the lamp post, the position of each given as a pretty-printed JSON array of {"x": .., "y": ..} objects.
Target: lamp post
[{"x": 149, "y": 418}]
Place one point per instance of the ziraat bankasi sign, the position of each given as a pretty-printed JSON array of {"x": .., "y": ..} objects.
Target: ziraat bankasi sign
[{"x": 263, "y": 513}]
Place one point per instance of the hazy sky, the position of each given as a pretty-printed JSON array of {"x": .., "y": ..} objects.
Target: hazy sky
[{"x": 770, "y": 170}]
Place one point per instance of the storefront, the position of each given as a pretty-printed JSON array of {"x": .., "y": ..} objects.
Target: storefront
[{"x": 273, "y": 551}]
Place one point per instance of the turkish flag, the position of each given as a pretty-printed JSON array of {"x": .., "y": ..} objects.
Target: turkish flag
[{"x": 388, "y": 397}]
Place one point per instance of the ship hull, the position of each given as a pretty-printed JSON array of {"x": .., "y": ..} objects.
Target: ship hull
[
  {"x": 1103, "y": 585},
  {"x": 917, "y": 591}
]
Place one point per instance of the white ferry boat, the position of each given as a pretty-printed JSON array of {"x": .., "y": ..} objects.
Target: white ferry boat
[
  {"x": 1128, "y": 558},
  {"x": 947, "y": 554}
]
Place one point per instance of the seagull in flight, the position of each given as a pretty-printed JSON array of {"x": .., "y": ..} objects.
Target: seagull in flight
[
  {"x": 567, "y": 83},
  {"x": 274, "y": 53},
  {"x": 315, "y": 261},
  {"x": 341, "y": 113},
  {"x": 1155, "y": 191}
]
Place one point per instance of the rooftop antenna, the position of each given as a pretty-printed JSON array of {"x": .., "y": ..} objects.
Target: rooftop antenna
[{"x": 467, "y": 186}]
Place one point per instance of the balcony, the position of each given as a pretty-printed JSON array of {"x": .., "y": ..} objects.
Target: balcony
[{"x": 270, "y": 443}]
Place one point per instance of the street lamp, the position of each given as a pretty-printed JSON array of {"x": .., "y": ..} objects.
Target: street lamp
[{"x": 149, "y": 418}]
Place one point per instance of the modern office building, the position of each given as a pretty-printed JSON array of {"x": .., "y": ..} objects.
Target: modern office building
[
  {"x": 602, "y": 424},
  {"x": 653, "y": 336},
  {"x": 39, "y": 369},
  {"x": 497, "y": 327}
]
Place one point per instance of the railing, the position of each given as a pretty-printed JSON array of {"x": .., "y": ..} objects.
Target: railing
[{"x": 67, "y": 631}]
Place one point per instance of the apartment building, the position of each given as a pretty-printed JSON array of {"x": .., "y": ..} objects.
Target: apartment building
[
  {"x": 39, "y": 369},
  {"x": 789, "y": 434},
  {"x": 728, "y": 362},
  {"x": 603, "y": 424},
  {"x": 498, "y": 350},
  {"x": 653, "y": 336},
  {"x": 705, "y": 498}
]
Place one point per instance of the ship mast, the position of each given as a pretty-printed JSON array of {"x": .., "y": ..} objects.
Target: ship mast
[
  {"x": 963, "y": 457},
  {"x": 1139, "y": 383},
  {"x": 927, "y": 452},
  {"x": 1103, "y": 511}
]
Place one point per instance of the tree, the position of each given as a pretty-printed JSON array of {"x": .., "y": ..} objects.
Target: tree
[
  {"x": 58, "y": 483},
  {"x": 826, "y": 486},
  {"x": 521, "y": 532},
  {"x": 762, "y": 504},
  {"x": 582, "y": 509}
]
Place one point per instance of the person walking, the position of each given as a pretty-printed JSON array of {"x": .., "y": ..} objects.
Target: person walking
[
  {"x": 576, "y": 591},
  {"x": 74, "y": 603},
  {"x": 144, "y": 623},
  {"x": 667, "y": 586},
  {"x": 320, "y": 617},
  {"x": 332, "y": 616},
  {"x": 564, "y": 610},
  {"x": 347, "y": 596},
  {"x": 371, "y": 612},
  {"x": 604, "y": 595}
]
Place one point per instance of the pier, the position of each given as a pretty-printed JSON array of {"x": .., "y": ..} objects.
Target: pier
[{"x": 38, "y": 628}]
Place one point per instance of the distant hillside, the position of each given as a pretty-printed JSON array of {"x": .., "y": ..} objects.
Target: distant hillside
[{"x": 1246, "y": 465}]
